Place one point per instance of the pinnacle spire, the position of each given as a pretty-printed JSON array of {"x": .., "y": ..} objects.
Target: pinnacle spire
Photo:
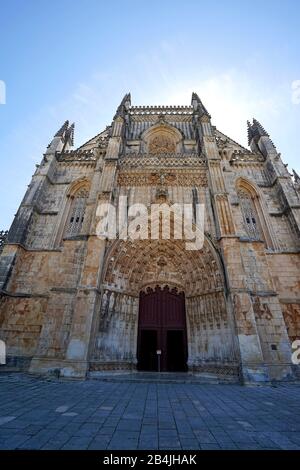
[
  {"x": 69, "y": 136},
  {"x": 255, "y": 131},
  {"x": 63, "y": 139},
  {"x": 195, "y": 97},
  {"x": 124, "y": 105},
  {"x": 62, "y": 130},
  {"x": 258, "y": 128},
  {"x": 198, "y": 105},
  {"x": 249, "y": 131}
]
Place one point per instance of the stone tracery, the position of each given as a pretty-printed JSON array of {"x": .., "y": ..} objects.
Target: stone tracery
[{"x": 76, "y": 213}]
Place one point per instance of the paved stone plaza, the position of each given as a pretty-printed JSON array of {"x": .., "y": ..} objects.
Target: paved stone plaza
[{"x": 37, "y": 413}]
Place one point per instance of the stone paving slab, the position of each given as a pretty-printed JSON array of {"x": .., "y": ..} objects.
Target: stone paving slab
[{"x": 39, "y": 413}]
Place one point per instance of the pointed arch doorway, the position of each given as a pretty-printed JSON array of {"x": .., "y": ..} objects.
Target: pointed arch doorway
[
  {"x": 162, "y": 327},
  {"x": 129, "y": 326}
]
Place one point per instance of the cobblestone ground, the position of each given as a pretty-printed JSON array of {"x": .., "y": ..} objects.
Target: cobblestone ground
[{"x": 40, "y": 414}]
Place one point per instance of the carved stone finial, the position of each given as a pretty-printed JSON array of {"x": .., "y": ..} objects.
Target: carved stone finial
[
  {"x": 296, "y": 177},
  {"x": 161, "y": 119},
  {"x": 69, "y": 136},
  {"x": 250, "y": 133}
]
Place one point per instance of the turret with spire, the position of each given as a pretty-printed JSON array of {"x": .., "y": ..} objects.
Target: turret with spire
[
  {"x": 259, "y": 139},
  {"x": 121, "y": 119},
  {"x": 63, "y": 139},
  {"x": 202, "y": 124},
  {"x": 62, "y": 130},
  {"x": 260, "y": 142}
]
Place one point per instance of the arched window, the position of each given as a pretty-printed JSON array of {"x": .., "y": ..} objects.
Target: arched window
[
  {"x": 254, "y": 212},
  {"x": 162, "y": 138},
  {"x": 76, "y": 213},
  {"x": 250, "y": 215}
]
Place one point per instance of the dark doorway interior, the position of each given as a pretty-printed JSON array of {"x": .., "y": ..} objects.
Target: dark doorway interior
[
  {"x": 162, "y": 326},
  {"x": 148, "y": 359},
  {"x": 176, "y": 360}
]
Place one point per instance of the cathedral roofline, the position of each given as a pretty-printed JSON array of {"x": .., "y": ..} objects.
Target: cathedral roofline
[
  {"x": 231, "y": 139},
  {"x": 161, "y": 109}
]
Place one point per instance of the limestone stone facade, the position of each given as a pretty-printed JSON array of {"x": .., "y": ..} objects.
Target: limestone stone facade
[{"x": 69, "y": 300}]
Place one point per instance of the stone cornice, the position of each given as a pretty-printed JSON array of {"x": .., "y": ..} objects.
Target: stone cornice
[
  {"x": 148, "y": 110},
  {"x": 23, "y": 294},
  {"x": 82, "y": 156}
]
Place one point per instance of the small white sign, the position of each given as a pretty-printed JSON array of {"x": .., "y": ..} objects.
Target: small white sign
[
  {"x": 158, "y": 351},
  {"x": 2, "y": 352}
]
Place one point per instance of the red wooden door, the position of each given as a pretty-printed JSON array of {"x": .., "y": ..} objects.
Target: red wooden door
[{"x": 162, "y": 326}]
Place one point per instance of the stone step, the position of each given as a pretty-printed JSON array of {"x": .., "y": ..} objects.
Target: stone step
[{"x": 163, "y": 377}]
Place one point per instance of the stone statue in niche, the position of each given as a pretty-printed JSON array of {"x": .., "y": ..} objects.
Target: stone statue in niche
[{"x": 161, "y": 144}]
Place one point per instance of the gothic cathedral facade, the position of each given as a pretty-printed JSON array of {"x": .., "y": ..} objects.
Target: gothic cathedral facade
[{"x": 77, "y": 304}]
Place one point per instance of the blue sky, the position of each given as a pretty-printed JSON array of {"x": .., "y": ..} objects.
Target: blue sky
[{"x": 71, "y": 59}]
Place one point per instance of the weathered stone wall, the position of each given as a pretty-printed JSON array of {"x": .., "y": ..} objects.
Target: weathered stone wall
[
  {"x": 285, "y": 270},
  {"x": 210, "y": 332},
  {"x": 116, "y": 335},
  {"x": 291, "y": 314},
  {"x": 21, "y": 321}
]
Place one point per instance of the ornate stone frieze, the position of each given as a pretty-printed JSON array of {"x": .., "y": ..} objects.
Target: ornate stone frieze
[
  {"x": 163, "y": 160},
  {"x": 178, "y": 178},
  {"x": 239, "y": 157},
  {"x": 77, "y": 156}
]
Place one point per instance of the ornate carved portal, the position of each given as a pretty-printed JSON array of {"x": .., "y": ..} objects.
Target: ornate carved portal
[{"x": 204, "y": 325}]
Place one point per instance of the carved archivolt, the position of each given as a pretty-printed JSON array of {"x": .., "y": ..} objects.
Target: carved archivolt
[
  {"x": 133, "y": 265},
  {"x": 80, "y": 185},
  {"x": 162, "y": 138}
]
